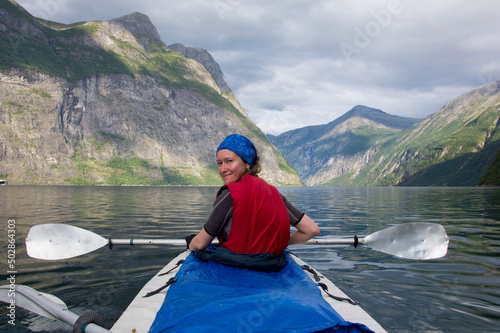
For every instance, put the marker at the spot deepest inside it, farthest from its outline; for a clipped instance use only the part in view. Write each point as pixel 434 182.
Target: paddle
pixel 45 305
pixel 409 241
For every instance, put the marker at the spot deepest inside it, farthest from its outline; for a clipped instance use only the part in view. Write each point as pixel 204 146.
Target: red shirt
pixel 261 223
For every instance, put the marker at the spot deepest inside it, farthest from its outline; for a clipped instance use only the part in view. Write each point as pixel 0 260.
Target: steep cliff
pixel 205 58
pixel 109 103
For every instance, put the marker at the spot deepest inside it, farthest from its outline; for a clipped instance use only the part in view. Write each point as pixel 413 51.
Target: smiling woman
pixel 231 166
pixel 250 218
pixel 236 155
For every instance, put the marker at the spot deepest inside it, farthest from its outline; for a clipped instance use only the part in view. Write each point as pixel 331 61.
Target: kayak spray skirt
pixel 210 297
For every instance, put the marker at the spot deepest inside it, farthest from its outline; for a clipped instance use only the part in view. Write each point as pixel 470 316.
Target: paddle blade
pixel 61 241
pixel 419 240
pixel 32 300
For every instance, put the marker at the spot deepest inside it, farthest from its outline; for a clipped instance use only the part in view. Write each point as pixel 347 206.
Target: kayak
pixel 189 295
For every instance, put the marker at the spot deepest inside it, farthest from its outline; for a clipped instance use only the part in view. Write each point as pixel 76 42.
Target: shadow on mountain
pixel 465 170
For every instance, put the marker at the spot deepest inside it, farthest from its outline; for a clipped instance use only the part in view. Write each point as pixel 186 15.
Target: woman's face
pixel 231 166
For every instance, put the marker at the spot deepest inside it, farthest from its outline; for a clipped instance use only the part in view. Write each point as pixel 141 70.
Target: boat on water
pixel 214 296
pixel 189 295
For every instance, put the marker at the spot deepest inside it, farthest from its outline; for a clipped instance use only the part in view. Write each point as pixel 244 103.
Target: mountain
pixel 324 153
pixel 454 146
pixel 108 102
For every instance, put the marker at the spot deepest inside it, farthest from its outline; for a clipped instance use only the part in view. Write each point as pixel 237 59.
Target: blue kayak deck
pixel 209 296
pixel 216 297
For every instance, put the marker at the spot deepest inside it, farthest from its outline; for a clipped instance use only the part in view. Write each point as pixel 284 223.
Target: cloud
pixel 294 63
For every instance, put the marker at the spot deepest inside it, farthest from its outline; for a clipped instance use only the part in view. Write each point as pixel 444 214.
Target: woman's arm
pixel 215 223
pixel 201 241
pixel 306 229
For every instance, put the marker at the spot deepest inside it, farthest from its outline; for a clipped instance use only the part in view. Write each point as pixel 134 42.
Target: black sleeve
pixel 222 212
pixel 294 213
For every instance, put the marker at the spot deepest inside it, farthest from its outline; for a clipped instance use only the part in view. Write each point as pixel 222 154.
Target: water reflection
pixel 448 294
pixel 458 293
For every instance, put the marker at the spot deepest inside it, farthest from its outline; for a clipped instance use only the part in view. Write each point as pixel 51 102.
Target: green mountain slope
pixel 454 146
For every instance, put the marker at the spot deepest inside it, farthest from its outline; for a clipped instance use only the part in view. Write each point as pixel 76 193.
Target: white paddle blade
pixel 32 300
pixel 43 304
pixel 61 241
pixel 418 240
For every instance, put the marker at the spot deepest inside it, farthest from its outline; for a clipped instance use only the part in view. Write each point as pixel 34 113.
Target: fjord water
pixel 458 293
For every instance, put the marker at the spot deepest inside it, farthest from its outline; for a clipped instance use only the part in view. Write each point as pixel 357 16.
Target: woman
pixel 250 218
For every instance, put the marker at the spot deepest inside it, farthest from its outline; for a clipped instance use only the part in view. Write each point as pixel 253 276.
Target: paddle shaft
pixel 182 242
pixel 335 241
pixel 44 305
pixel 172 242
pixel 70 318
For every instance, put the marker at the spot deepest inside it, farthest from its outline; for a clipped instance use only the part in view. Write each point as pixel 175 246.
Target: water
pixel 458 293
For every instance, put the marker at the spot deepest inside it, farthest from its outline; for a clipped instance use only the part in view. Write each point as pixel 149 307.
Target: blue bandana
pixel 241 146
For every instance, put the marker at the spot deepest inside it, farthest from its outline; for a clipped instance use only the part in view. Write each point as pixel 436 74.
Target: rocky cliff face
pixel 140 26
pixel 203 57
pixel 109 103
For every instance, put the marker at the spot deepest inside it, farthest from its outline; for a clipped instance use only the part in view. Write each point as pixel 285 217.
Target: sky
pixel 296 63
